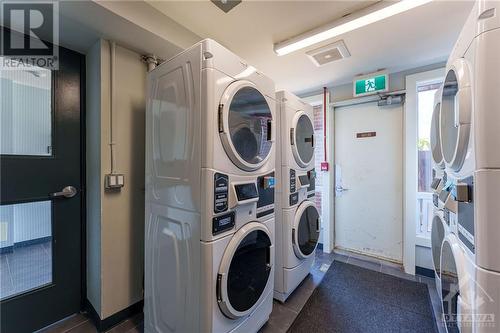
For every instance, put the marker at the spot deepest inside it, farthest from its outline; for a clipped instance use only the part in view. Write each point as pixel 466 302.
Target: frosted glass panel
pixel 25 112
pixel 25 247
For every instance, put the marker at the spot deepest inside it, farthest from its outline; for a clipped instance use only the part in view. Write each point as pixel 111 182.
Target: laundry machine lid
pixel 439 230
pixel 245 270
pixel 245 125
pixel 456 114
pixel 302 138
pixel 306 229
pixel 437 153
pixel 456 285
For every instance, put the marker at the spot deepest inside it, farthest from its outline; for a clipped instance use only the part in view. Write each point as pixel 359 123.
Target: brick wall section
pixel 318 152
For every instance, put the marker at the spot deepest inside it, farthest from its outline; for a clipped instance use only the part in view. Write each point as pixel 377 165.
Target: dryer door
pixel 438 232
pixel 305 231
pixel 456 294
pixel 245 270
pixel 437 154
pixel 456 114
pixel 302 139
pixel 245 125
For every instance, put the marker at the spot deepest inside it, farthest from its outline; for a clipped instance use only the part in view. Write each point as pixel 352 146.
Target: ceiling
pixel 422 36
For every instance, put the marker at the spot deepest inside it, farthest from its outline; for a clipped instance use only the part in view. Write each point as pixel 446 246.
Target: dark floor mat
pixel 355 299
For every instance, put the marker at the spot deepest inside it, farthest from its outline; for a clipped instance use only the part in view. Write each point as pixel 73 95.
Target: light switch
pixel 114 181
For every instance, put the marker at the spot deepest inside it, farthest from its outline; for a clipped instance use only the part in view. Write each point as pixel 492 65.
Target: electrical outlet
pixel 114 181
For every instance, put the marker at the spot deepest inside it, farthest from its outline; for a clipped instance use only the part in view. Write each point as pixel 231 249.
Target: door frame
pixel 327 196
pixel 410 166
pixel 331 122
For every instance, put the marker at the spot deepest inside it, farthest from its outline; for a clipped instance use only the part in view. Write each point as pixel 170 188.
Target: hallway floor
pixel 283 315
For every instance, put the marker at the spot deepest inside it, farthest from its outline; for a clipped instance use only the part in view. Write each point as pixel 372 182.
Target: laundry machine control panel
pixel 293 181
pixel 265 188
pixel 463 193
pixel 221 190
pixel 312 183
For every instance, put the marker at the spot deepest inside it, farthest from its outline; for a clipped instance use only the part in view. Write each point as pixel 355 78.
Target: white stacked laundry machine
pixel 470 141
pixel 210 159
pixel 297 219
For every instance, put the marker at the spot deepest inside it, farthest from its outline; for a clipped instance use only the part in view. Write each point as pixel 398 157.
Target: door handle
pixel 341 189
pixel 67 192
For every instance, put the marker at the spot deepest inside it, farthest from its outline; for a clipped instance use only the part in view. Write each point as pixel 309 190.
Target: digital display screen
pixel 304 180
pixel 225 221
pixel 246 191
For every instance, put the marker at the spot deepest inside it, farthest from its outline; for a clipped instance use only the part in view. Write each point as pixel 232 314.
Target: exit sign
pixel 371 84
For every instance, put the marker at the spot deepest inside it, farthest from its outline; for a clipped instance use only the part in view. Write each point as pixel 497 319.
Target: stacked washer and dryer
pixel 297 219
pixel 470 140
pixel 210 160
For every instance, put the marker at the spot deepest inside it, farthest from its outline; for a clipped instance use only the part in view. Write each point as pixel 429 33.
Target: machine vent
pixel 329 53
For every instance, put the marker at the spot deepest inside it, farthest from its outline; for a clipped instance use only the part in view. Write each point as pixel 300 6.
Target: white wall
pixel 115 219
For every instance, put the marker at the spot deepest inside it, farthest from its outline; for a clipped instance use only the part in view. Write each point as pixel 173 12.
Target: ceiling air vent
pixel 329 53
pixel 226 5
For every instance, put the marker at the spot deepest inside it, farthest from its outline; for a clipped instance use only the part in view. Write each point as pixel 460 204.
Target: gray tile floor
pixel 283 314
pixel 25 268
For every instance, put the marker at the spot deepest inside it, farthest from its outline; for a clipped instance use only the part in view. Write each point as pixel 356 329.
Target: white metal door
pixel 368 184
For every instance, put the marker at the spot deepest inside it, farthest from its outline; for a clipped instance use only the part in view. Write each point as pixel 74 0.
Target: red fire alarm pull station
pixel 324 164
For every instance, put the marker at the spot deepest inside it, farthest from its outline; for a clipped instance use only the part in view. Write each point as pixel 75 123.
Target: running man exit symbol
pixel 370 85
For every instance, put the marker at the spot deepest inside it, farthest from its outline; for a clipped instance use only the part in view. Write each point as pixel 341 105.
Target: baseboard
pixel 105 324
pixel 424 272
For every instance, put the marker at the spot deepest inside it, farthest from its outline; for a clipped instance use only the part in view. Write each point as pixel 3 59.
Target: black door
pixel 40 229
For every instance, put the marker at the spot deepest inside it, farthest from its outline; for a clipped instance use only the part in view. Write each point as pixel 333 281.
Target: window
pixel 26 112
pixel 25 247
pixel 425 107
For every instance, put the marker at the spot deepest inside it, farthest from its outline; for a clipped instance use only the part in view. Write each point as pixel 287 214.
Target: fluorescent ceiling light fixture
pixel 325 33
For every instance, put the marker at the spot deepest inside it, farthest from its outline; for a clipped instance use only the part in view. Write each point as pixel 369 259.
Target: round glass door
pixel 306 228
pixel 455 117
pixel 450 288
pixel 245 270
pixel 246 125
pixel 303 139
pixel 437 236
pixel 437 154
